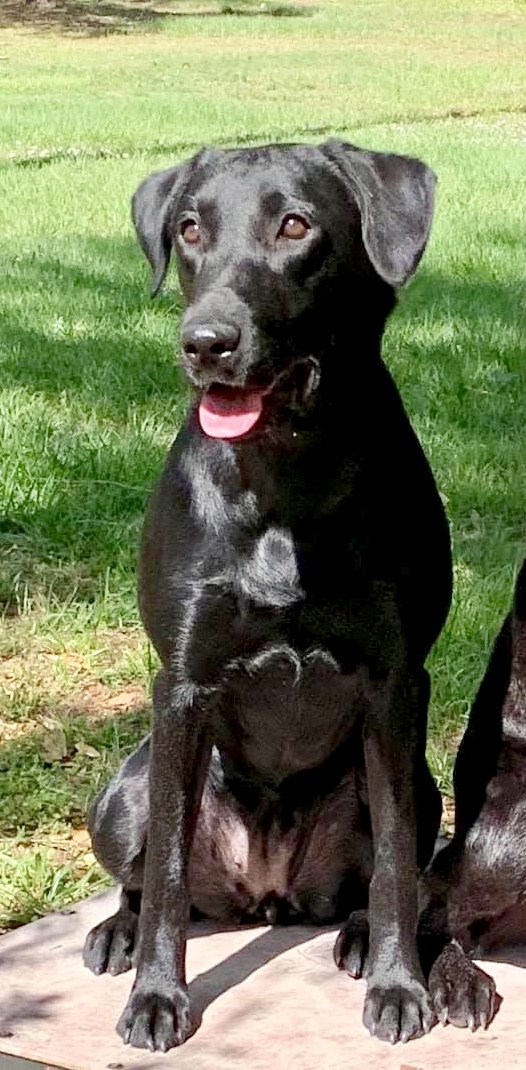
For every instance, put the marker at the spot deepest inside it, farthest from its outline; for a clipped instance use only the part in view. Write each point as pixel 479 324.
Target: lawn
pixel 93 96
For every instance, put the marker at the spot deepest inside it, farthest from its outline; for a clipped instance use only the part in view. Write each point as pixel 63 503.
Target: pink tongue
pixel 229 414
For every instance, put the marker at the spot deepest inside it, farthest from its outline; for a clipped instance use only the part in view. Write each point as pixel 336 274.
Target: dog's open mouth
pixel 230 412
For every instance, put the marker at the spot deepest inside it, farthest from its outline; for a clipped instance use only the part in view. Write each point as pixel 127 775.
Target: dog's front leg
pixel 397 1004
pixel 157 1015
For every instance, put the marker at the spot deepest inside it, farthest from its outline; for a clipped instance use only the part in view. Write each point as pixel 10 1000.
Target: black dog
pixel 478 882
pixel 295 572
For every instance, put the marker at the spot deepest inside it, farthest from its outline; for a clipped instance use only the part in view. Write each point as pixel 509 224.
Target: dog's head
pixel 284 252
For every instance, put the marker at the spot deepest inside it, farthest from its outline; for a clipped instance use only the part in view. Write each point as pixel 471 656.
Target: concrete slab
pixel 268 999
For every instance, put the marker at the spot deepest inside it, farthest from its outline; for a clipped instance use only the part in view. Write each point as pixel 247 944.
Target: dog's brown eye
pixel 190 232
pixel 294 227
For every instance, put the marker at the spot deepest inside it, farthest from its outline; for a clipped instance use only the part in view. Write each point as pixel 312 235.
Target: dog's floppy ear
pixel 150 204
pixel 395 197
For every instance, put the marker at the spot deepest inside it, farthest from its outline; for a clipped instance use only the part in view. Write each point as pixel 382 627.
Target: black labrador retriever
pixel 295 572
pixel 477 884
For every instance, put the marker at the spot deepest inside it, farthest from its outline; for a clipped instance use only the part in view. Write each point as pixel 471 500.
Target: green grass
pixel 217 77
pixel 90 396
pixel 46 781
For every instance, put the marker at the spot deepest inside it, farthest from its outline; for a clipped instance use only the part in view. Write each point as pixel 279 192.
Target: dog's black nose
pixel 209 342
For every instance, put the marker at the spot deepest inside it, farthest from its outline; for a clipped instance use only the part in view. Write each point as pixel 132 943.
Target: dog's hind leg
pixel 477 883
pixel 336 868
pixel 118 822
pixel 109 946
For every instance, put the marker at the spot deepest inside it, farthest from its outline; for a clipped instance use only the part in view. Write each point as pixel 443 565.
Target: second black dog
pixel 477 884
pixel 295 572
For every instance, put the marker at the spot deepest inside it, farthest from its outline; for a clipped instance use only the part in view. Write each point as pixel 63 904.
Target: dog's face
pixel 282 252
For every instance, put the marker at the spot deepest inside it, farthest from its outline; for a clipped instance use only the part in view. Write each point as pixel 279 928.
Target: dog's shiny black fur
pixel 292 581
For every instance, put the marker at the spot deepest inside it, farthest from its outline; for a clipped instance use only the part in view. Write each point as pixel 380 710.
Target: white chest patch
pixel 269 576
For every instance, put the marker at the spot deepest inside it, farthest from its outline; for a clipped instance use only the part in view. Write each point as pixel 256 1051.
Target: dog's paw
pixel 351 949
pixel 462 994
pixel 109 946
pixel 398 1011
pixel 154 1021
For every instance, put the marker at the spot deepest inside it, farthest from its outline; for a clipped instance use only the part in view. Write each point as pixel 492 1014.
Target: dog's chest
pixel 267 575
pixel 262 640
pixel 283 711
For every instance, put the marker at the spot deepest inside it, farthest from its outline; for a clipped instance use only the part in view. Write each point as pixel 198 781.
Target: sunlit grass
pixel 222 78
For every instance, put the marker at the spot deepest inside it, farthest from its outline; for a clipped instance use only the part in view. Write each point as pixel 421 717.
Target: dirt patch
pixel 95 699
pixel 39 684
pixel 66 845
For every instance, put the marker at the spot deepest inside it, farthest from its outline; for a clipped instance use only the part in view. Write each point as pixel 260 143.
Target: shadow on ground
pixel 237 967
pixel 103 17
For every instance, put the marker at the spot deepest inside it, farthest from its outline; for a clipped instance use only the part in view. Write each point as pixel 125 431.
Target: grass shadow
pixel 106 402
pixel 99 18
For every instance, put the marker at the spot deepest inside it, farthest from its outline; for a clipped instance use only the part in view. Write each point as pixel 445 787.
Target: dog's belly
pixel 270 857
pixel 282 712
pixel 236 864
